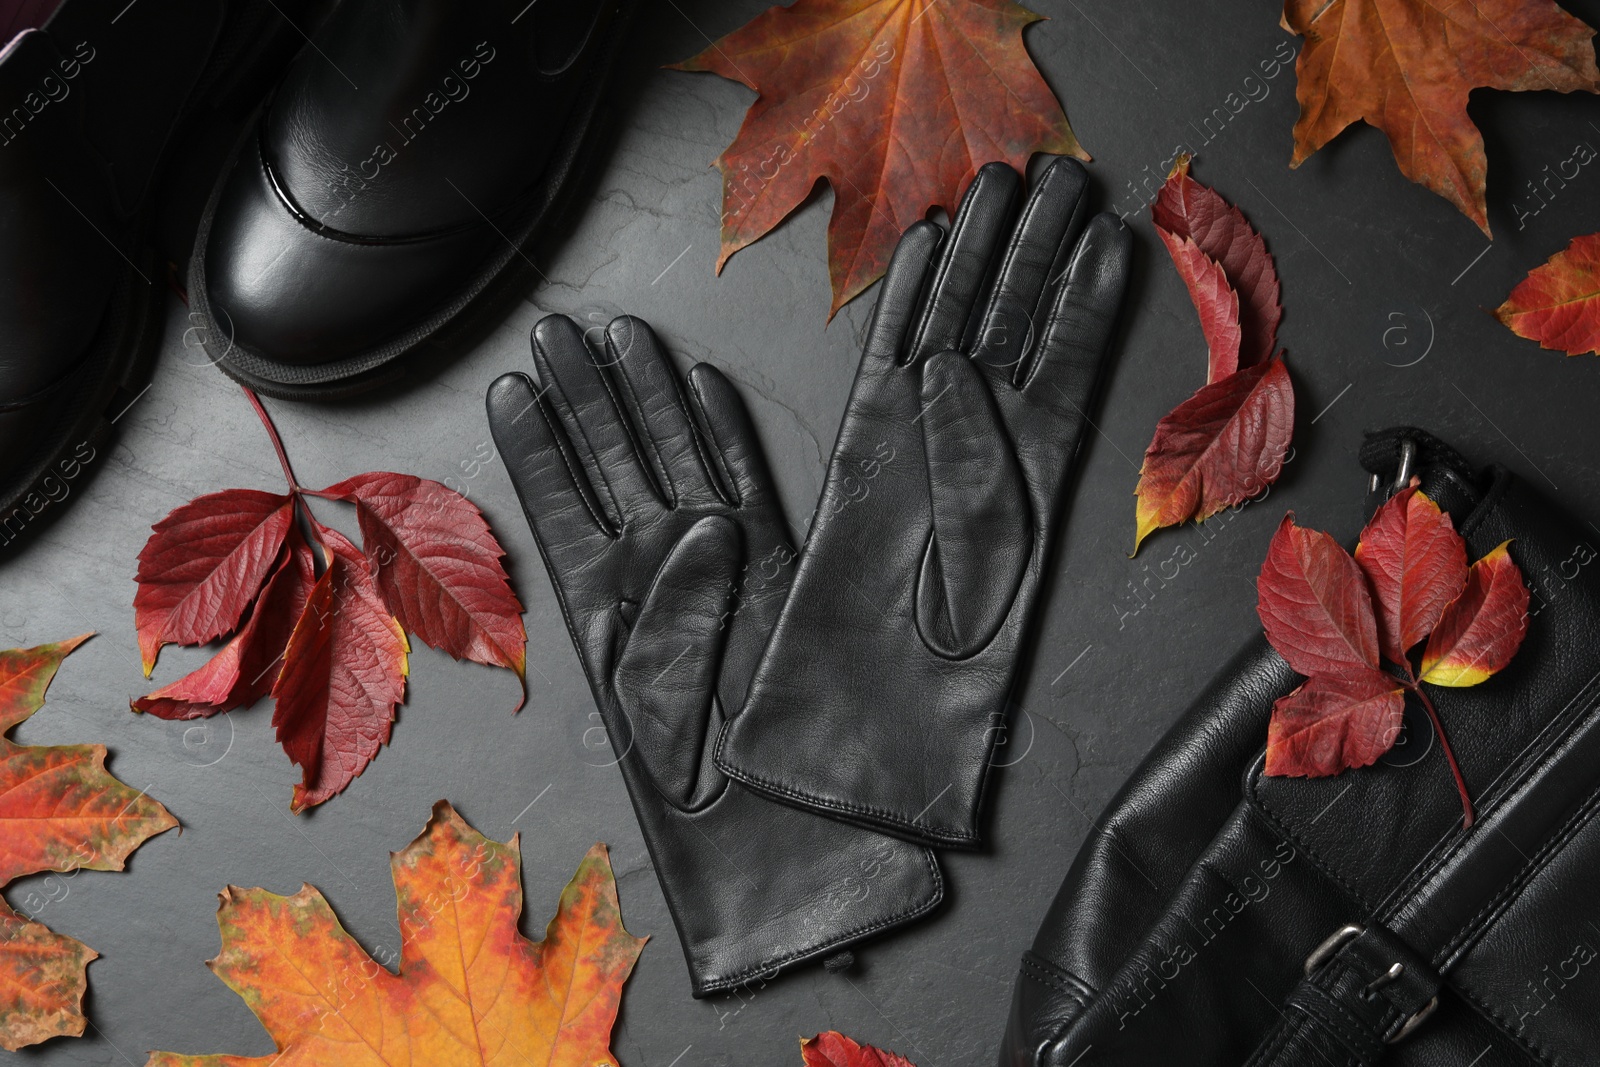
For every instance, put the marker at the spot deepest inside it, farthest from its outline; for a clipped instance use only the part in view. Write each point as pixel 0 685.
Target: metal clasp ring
pixel 1403 471
pixel 1408 460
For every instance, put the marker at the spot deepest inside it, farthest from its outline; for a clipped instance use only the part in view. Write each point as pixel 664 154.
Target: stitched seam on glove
pixel 891 819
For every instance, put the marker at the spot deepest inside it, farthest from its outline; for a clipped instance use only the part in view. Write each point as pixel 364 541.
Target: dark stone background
pixel 1387 291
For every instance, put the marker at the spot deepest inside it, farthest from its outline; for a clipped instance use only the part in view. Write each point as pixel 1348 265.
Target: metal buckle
pixel 1415 1021
pixel 1333 943
pixel 1350 931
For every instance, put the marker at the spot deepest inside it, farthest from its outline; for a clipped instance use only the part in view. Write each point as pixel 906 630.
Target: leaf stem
pixel 1415 687
pixel 272 433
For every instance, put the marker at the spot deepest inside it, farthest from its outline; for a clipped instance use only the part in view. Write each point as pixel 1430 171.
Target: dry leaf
pixel 1407 67
pixel 833 1049
pixel 344 671
pixel 1317 606
pixel 1216 449
pixel 471 988
pixel 1185 209
pixel 1558 303
pixel 439 566
pixel 896 103
pixel 324 631
pixel 1482 628
pixel 62 812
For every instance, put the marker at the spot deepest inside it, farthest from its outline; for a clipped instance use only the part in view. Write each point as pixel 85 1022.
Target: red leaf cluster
pixel 1228 441
pixel 1337 619
pixel 315 621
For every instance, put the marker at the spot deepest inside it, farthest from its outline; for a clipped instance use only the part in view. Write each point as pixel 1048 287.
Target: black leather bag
pixel 1218 916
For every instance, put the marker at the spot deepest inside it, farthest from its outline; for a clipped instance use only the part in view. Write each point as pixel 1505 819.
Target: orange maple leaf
pixel 1407 66
pixel 471 988
pixel 62 812
pixel 897 103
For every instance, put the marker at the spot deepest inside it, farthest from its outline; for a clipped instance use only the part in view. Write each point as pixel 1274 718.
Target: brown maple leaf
pixel 897 103
pixel 1407 67
pixel 471 988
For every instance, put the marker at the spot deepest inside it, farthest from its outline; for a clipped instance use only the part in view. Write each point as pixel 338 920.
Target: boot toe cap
pixel 294 294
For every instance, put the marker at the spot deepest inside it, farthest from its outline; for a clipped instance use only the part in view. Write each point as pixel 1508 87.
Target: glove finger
pixel 982 534
pixel 736 448
pixel 649 386
pixel 901 292
pixel 557 498
pixel 666 677
pixel 1039 248
pixel 975 238
pixel 577 390
pixel 1077 335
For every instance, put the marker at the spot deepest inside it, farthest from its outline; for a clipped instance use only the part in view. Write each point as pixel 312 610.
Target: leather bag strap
pixel 1363 989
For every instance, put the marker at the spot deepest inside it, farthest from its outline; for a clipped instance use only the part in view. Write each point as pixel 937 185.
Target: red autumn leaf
pixel 243 671
pixel 344 670
pixel 439 567
pixel 1222 445
pixel 1408 66
pixel 1214 299
pixel 897 103
pixel 203 565
pixel 1184 208
pixel 1416 564
pixel 1315 607
pixel 1334 722
pixel 1314 604
pixel 330 650
pixel 1482 628
pixel 832 1049
pixel 1558 303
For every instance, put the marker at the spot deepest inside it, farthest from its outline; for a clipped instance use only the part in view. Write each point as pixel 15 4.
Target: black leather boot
pixel 387 198
pixel 90 108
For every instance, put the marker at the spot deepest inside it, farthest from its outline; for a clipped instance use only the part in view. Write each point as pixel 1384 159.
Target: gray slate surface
pixel 1386 289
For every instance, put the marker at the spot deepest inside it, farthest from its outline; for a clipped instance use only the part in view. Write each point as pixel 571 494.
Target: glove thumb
pixel 982 530
pixel 666 677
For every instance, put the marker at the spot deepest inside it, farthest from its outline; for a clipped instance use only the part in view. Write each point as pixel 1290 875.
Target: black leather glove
pixel 880 694
pixel 670 557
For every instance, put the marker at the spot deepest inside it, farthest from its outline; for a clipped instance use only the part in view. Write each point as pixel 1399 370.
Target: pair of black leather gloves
pixel 796 729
